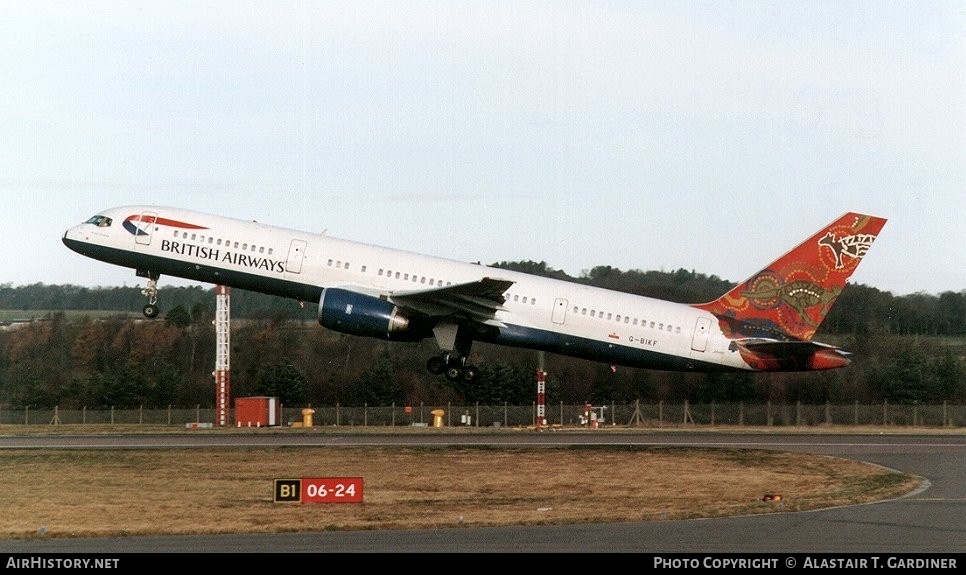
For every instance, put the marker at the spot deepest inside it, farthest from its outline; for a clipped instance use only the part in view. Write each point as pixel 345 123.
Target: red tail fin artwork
pixel 790 298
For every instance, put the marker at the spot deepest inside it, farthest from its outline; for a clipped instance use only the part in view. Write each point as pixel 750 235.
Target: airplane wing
pixel 477 301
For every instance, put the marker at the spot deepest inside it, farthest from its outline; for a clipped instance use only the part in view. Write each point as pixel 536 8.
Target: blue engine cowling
pixel 358 314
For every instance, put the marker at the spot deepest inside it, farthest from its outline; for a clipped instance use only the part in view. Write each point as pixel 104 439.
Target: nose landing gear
pixel 151 310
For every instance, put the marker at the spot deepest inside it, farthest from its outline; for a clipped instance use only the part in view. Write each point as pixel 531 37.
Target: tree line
pixel 907 349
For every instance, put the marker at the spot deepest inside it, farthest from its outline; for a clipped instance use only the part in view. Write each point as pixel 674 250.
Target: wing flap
pixel 479 300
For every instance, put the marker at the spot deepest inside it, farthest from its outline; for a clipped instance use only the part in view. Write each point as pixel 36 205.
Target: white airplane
pixel 764 324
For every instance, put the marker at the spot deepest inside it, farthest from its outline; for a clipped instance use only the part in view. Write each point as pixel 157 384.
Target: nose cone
pixel 76 238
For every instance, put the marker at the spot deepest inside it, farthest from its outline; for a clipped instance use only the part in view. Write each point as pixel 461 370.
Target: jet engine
pixel 354 313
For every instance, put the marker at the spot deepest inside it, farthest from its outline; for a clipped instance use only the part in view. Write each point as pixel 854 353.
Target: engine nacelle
pixel 358 314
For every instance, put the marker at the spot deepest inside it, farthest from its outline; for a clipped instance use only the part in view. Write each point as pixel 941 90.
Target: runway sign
pixel 319 490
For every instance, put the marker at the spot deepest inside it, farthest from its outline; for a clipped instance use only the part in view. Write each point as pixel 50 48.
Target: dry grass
pixel 67 493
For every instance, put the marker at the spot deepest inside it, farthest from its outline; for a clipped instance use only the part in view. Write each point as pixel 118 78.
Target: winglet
pixel 790 298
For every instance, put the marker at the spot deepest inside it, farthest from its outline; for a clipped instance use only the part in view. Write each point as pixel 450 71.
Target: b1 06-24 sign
pixel 320 490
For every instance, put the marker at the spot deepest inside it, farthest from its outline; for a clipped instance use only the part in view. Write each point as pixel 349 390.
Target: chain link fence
pixel 637 414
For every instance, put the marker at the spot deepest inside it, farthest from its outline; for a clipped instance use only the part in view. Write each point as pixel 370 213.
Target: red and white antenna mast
pixel 541 399
pixel 222 371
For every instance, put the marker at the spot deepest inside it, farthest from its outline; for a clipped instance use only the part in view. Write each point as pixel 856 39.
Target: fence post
pixel 712 414
pixel 885 409
pixel 337 415
pixel 392 417
pixel 365 414
pixel 855 413
pixel 477 413
pixel 112 415
pixel 828 413
pixel 768 418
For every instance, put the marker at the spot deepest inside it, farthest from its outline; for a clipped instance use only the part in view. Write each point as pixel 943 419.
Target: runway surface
pixel 933 519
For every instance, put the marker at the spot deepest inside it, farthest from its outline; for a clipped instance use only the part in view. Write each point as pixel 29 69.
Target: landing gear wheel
pixel 454 372
pixel 471 373
pixel 436 365
pixel 151 292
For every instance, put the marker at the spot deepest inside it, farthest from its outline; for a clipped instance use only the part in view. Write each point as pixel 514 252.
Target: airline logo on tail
pixel 790 298
pixel 854 246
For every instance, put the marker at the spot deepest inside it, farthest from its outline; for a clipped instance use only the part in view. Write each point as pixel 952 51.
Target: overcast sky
pixel 710 136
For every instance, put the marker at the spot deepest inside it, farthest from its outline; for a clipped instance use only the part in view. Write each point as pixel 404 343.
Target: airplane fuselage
pixel 538 313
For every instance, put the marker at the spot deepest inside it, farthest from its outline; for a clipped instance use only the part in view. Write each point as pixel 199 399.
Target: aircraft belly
pixel 615 353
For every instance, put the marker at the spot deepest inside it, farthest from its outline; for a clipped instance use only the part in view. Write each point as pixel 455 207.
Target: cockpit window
pixel 100 221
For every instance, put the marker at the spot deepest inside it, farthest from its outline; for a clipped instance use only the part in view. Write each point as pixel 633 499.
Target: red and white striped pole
pixel 541 398
pixel 222 371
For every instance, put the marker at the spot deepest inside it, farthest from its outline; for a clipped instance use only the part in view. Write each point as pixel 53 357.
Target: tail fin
pixel 790 298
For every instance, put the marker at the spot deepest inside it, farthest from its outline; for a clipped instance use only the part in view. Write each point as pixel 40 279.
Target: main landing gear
pixel 455 343
pixel 454 368
pixel 151 310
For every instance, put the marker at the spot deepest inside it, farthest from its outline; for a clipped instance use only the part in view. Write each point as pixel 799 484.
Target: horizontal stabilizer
pixel 774 355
